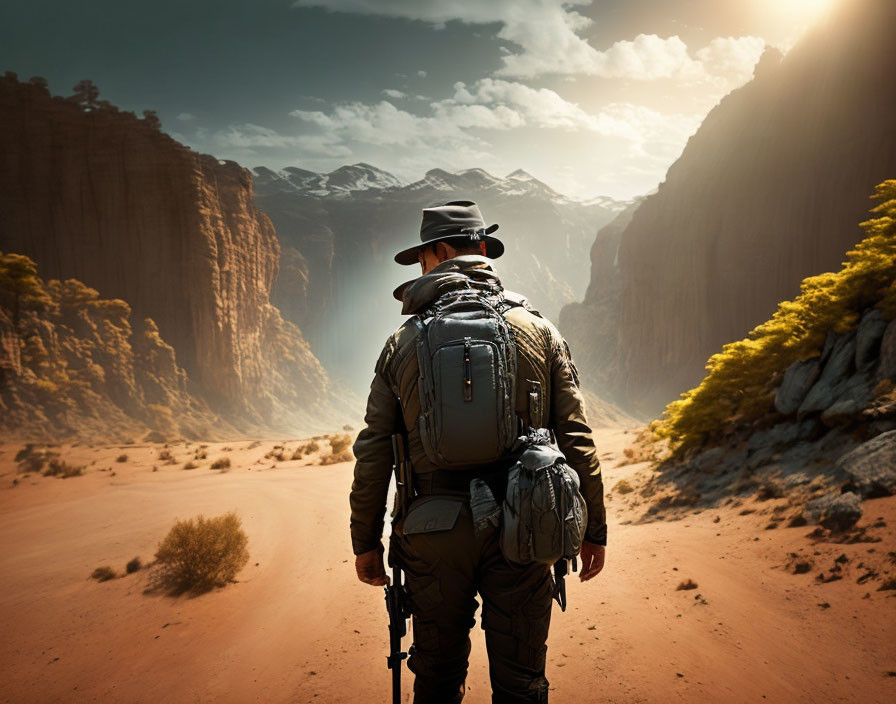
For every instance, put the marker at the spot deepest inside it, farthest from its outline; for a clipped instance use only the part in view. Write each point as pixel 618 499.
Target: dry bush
pixel 121 458
pixel 201 454
pixel 222 463
pixel 33 461
pixel 165 455
pixel 64 470
pixel 133 565
pixel 103 574
pixel 200 553
pixel 623 487
pixel 310 447
pixel 190 465
pixel 685 585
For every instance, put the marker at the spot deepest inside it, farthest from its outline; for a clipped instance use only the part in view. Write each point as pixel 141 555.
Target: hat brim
pixel 494 247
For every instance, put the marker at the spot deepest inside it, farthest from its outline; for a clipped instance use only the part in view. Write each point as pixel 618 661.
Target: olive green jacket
pixel 548 396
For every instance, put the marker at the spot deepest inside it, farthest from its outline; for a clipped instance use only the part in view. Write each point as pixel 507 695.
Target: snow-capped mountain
pixel 338 232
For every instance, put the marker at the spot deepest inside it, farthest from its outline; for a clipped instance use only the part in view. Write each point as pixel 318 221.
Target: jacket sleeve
pixel 570 425
pixel 373 465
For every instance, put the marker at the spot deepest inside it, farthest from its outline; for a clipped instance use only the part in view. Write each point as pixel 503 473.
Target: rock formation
pixel 767 192
pixel 95 194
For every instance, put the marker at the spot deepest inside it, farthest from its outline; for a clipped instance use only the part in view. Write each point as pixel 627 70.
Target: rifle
pixel 396 593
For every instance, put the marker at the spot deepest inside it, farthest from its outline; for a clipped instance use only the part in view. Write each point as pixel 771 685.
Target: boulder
pixel 887 353
pixel 798 379
pixel 868 337
pixel 841 413
pixel 872 466
pixel 834 376
pixel 837 512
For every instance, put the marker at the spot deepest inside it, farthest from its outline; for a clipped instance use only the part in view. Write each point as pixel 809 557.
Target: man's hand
pixel 370 569
pixel 592 560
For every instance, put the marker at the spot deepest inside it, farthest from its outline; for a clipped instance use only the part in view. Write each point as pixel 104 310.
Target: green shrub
pixel 743 377
pixel 201 553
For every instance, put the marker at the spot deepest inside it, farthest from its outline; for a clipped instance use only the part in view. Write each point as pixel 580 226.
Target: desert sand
pixel 298 627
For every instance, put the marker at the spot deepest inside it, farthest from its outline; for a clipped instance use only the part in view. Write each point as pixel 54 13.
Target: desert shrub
pixel 103 574
pixel 222 463
pixel 310 447
pixel 60 468
pixel 200 454
pixel 165 455
pixel 133 565
pixel 200 553
pixel 623 487
pixel 686 585
pixel 742 378
pixel 190 465
pixel 121 458
pixel 340 442
pixel 33 461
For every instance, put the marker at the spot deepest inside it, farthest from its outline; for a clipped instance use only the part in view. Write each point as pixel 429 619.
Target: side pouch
pixel 431 515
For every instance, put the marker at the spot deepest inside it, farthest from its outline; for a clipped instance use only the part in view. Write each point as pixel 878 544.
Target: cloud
pixel 546 34
pixel 186 117
pixel 250 138
pixel 393 93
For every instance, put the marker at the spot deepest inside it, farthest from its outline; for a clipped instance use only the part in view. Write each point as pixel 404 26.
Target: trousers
pixel 446 568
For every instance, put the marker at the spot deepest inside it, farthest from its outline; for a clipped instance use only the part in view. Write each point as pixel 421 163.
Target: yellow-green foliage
pixel 203 552
pixel 742 377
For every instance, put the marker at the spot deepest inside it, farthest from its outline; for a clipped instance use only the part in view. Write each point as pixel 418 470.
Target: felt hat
pixel 456 222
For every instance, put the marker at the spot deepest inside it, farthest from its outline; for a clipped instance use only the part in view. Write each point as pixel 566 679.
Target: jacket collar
pixel 471 271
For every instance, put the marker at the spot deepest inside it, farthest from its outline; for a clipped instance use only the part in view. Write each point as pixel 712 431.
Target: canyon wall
pixel 96 194
pixel 767 192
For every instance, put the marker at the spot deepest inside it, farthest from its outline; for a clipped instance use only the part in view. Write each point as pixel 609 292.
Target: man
pixel 446 561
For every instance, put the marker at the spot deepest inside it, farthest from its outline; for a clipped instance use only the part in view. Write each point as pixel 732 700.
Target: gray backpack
pixel 467 383
pixel 544 516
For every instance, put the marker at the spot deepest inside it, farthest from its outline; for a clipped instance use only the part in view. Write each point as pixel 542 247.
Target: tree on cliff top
pixel 741 382
pixel 86 95
pixel 20 283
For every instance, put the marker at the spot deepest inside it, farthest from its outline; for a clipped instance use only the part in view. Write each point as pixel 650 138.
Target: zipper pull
pixel 468 372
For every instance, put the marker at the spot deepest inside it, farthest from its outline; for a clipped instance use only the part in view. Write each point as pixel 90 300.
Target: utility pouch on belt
pixel 544 514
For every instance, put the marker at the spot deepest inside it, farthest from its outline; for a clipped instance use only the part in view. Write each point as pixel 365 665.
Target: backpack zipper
pixel 468 372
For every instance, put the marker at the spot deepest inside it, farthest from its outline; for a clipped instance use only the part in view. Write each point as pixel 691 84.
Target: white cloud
pixel 249 138
pixel 546 34
pixel 393 93
pixel 186 117
pixel 421 74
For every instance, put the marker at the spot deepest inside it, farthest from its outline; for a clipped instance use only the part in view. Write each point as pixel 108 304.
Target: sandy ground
pixel 298 627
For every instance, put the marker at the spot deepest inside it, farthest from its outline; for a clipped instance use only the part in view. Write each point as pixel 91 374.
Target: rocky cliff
pixel 767 192
pixel 96 194
pixel 805 406
pixel 339 231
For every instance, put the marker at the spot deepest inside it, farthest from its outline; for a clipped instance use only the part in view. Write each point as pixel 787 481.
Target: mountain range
pixel 338 232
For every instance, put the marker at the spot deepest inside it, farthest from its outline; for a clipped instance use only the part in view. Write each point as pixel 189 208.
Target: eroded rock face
pixel 767 192
pixel 106 198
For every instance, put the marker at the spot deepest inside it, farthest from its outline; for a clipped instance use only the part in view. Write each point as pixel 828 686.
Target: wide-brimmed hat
pixel 459 220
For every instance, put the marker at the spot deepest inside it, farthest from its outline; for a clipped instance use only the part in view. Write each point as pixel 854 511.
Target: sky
pixel 593 97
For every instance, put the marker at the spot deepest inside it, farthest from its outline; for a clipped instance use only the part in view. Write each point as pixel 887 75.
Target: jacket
pixel 548 395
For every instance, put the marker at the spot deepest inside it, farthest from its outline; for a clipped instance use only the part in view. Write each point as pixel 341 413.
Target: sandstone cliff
pixel 93 193
pixel 767 192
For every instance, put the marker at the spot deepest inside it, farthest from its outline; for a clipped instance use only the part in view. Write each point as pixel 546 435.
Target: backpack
pixel 544 516
pixel 467 383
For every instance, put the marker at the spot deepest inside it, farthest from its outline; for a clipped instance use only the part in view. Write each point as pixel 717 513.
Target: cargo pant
pixel 446 564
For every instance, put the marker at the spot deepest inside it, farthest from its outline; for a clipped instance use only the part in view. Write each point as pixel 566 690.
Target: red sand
pixel 298 627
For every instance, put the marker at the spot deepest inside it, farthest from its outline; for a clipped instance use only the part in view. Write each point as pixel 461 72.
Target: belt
pixel 446 481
